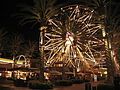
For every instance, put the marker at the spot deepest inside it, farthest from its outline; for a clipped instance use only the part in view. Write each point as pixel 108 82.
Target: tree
pixel 110 22
pixel 15 42
pixel 38 16
pixel 113 23
pixel 29 49
pixel 2 39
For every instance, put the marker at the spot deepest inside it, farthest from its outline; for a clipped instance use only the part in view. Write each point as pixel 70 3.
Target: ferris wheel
pixel 74 38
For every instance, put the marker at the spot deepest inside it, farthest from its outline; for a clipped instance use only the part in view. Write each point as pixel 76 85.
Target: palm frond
pixel 2 34
pixel 41 11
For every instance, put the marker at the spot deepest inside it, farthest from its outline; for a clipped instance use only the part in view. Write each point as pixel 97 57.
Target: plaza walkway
pixel 79 86
pixel 73 87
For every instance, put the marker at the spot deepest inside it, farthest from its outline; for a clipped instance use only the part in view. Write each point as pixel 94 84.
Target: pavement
pixel 73 87
pixel 12 87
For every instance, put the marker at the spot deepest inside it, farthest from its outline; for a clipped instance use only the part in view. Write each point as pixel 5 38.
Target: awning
pixel 24 69
pixel 55 73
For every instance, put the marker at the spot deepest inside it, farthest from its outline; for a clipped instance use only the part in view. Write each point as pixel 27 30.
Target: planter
pixel 63 83
pixel 39 85
pixel 20 83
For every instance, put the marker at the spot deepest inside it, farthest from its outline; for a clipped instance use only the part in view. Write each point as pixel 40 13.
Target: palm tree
pixel 110 23
pixel 38 15
pixel 113 23
pixel 2 39
pixel 111 27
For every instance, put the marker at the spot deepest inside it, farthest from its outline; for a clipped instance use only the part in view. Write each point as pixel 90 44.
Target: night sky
pixel 8 8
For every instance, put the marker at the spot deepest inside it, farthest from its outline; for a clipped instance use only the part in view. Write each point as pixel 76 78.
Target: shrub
pixel 63 83
pixel 105 87
pixel 39 85
pixel 76 81
pixel 2 78
pixel 6 81
pixel 86 80
pixel 20 83
pixel 5 88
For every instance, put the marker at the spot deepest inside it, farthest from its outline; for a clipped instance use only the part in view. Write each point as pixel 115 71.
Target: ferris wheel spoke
pixel 83 59
pixel 55 51
pixel 88 56
pixel 52 40
pixel 93 29
pixel 55 44
pixel 73 12
pixel 80 45
pixel 53 55
pixel 91 53
pixel 52 35
pixel 55 24
pixel 56 31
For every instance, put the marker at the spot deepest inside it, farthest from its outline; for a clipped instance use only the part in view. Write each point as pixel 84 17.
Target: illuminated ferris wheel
pixel 74 38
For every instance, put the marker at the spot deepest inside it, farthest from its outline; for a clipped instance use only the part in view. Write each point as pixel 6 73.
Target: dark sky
pixel 8 8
